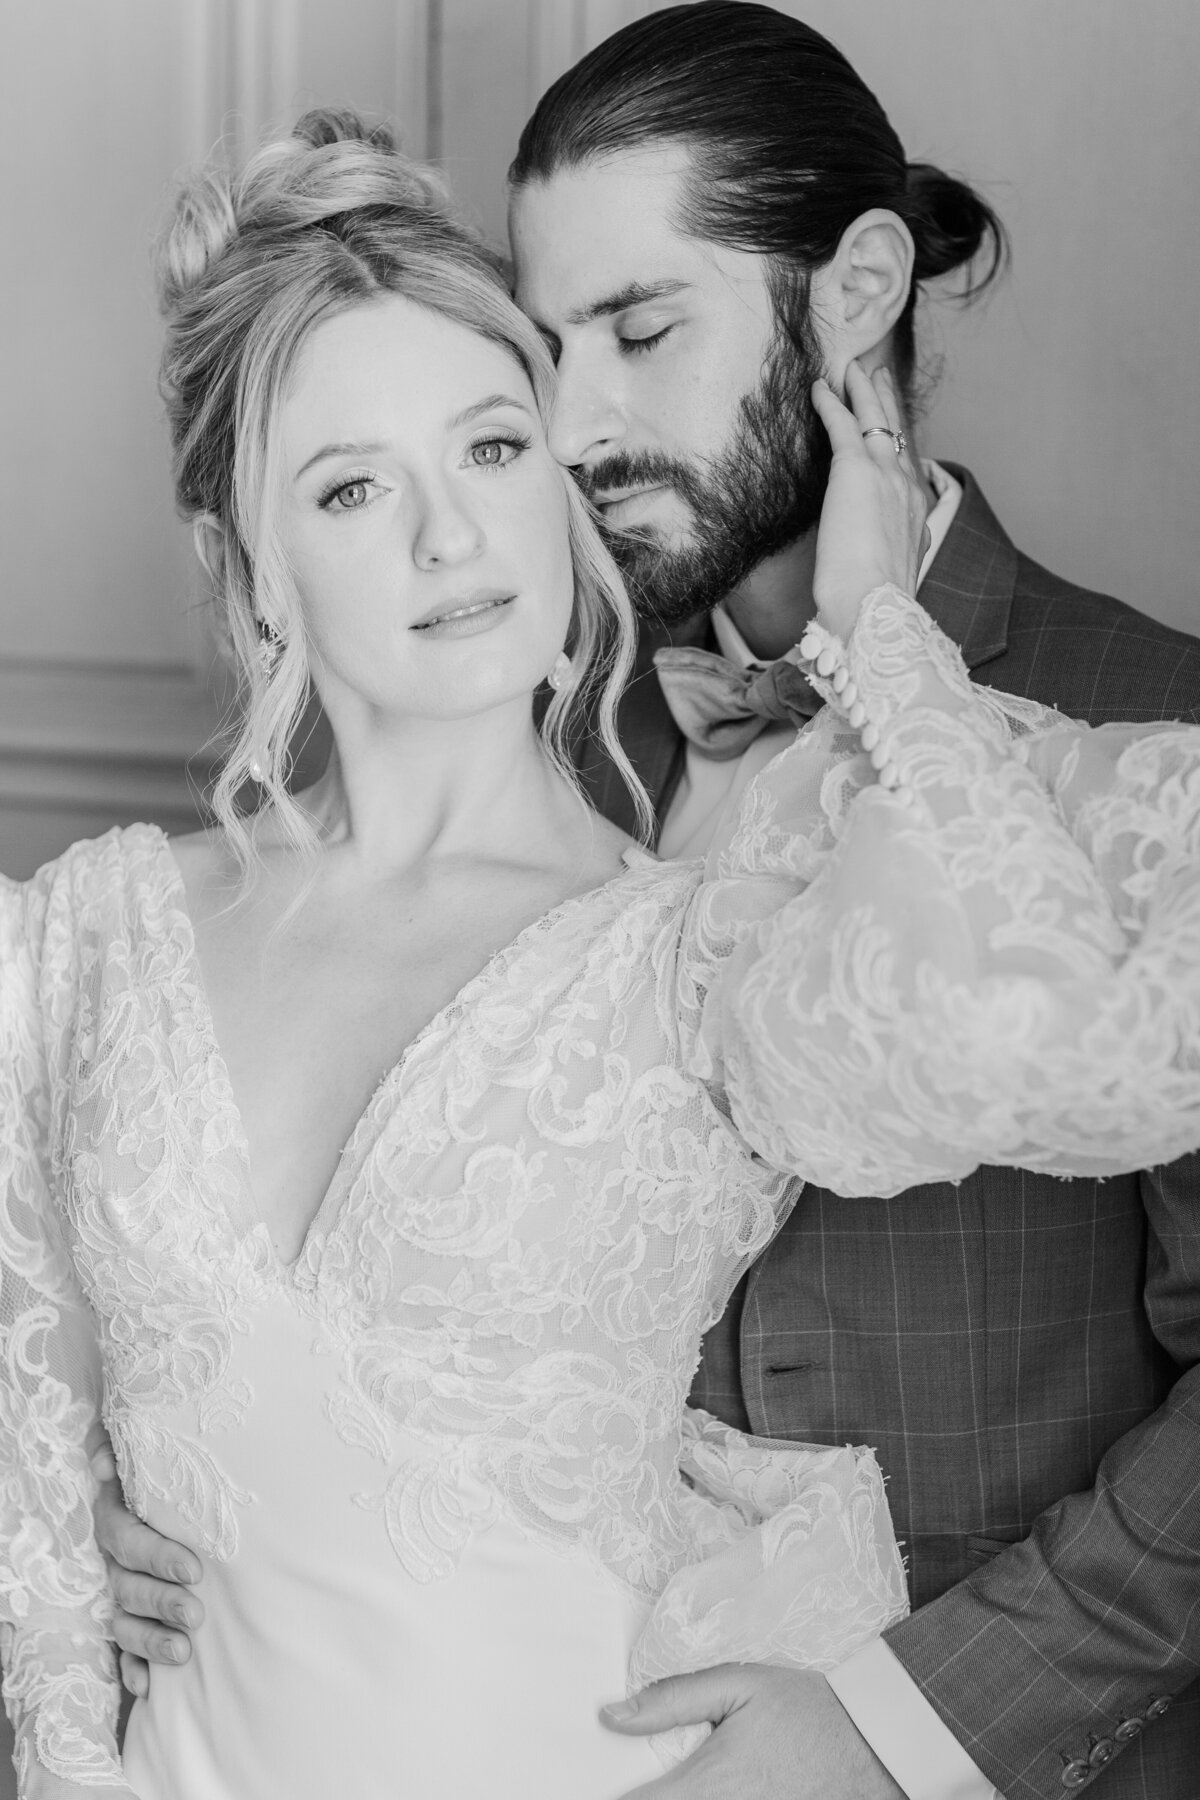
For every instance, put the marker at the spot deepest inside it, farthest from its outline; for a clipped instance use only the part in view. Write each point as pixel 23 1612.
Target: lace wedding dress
pixel 440 1470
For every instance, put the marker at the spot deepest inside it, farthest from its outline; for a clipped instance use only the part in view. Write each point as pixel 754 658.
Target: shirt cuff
pixel 910 1739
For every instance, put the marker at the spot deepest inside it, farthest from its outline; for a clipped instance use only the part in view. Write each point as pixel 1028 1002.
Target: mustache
pixel 623 470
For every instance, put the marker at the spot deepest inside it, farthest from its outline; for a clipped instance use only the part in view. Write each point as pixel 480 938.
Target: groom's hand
pixel 149 1577
pixel 780 1734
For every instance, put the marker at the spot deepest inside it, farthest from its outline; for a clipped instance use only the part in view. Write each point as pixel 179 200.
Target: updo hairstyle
pixel 327 219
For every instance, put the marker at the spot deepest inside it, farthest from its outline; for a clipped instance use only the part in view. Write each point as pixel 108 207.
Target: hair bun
pixel 333 163
pixel 339 125
pixel 202 225
pixel 953 228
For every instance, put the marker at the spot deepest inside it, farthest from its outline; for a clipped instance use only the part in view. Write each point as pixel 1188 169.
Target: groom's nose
pixel 587 421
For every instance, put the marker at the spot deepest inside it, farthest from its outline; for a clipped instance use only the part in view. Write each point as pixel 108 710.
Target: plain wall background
pixel 1073 394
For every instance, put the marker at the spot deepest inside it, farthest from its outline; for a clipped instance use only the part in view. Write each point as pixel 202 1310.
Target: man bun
pixel 953 228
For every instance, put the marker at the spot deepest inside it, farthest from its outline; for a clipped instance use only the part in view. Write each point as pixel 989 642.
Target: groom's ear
pixel 861 292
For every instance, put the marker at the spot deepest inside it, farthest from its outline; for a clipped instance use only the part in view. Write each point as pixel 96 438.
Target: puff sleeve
pixel 60 1685
pixel 997 962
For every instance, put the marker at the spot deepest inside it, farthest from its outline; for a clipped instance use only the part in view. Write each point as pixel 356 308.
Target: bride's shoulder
pixel 620 860
pixel 90 896
pixel 199 856
pixel 92 864
pixel 611 848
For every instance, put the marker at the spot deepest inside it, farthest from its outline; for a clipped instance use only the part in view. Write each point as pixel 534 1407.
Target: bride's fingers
pixel 879 419
pixel 885 391
pixel 884 388
pixel 865 400
pixel 889 400
pixel 841 424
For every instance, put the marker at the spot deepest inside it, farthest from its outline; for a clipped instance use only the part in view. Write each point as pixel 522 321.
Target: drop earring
pixel 561 672
pixel 267 654
pixel 270 644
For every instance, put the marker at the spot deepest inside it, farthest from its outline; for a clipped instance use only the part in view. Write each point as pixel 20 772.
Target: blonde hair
pixel 327 219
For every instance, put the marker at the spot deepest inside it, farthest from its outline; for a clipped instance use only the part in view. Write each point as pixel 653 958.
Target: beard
pixel 752 500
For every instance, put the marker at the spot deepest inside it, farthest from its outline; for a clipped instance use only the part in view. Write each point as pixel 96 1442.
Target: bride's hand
pixel 872 528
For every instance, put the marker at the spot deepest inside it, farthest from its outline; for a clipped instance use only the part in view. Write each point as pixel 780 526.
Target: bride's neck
pixel 395 794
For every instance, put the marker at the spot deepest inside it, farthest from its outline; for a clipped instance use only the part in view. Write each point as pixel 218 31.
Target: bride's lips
pixel 465 614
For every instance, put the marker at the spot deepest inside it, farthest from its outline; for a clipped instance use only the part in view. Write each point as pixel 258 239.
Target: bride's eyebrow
pixel 374 449
pixel 488 404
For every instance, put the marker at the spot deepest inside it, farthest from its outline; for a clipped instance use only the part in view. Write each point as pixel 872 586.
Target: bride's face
pixel 422 516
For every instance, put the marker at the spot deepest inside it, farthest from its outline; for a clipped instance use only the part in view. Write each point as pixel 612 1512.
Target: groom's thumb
pixel 678 1700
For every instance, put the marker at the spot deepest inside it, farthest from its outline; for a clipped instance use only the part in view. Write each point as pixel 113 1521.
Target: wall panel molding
pixel 85 747
pixel 417 75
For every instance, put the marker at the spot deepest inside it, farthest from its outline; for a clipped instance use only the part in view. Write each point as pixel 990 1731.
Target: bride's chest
pixel 536 1159
pixel 310 1022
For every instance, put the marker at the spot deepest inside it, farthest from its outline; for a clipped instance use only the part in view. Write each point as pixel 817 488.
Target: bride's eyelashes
pixel 348 493
pixel 352 493
pixel 512 441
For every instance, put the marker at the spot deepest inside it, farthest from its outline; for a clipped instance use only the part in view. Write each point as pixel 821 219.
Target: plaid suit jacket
pixel 1024 1353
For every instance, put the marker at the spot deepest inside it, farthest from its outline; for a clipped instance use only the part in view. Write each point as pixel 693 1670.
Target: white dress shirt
pixel 882 1699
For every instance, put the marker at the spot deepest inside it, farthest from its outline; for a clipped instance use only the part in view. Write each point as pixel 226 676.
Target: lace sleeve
pixel 60 1685
pixel 1004 969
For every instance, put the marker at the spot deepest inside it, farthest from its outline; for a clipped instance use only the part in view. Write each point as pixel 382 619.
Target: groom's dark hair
pixel 788 144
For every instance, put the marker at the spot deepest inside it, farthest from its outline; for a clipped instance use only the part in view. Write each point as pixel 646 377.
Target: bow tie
pixel 721 708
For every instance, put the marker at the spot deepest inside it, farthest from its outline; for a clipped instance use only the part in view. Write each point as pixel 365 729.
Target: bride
pixel 372 1164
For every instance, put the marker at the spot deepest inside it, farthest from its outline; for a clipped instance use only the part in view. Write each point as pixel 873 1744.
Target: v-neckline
pixel 333 1201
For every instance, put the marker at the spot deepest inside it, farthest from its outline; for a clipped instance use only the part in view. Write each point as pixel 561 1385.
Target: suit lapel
pixel 969 587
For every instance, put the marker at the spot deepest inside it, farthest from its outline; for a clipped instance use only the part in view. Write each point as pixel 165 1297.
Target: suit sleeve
pixel 1052 1659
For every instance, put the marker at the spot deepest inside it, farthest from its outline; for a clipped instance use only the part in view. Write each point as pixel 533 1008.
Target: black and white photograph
pixel 600 900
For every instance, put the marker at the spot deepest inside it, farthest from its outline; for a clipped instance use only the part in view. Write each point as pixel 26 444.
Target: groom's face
pixel 679 411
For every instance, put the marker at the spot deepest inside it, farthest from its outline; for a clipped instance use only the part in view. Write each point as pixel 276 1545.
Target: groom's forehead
pixel 596 228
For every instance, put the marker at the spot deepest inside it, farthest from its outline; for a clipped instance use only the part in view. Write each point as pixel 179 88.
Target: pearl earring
pixel 562 671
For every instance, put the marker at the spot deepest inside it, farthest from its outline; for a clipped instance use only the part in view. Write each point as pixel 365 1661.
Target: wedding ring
pixel 898 438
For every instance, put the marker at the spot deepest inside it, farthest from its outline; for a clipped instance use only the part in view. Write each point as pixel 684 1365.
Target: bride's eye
pixel 347 496
pixel 496 452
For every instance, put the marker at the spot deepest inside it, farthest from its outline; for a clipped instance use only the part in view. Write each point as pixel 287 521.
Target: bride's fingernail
pixel 620 1710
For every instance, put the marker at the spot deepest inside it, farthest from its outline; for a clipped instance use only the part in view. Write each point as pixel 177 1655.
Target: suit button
pixel 1127 1730
pixel 1158 1707
pixel 1101 1752
pixel 1076 1775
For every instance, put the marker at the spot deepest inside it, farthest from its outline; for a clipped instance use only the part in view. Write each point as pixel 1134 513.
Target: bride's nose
pixel 446 529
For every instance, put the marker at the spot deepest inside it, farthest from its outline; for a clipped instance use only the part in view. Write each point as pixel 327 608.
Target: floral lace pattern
pixel 552 1194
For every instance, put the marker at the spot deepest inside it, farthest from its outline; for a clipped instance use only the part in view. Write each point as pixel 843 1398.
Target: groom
pixel 708 210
